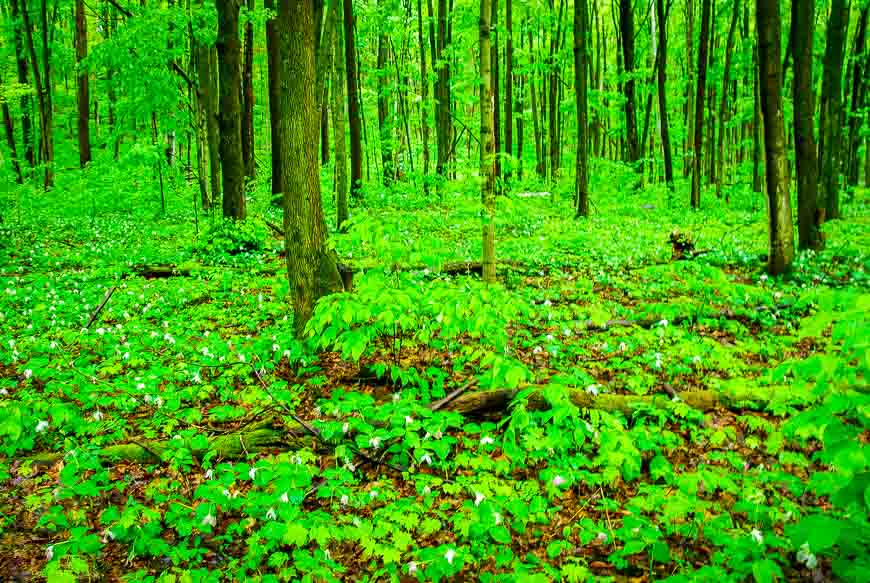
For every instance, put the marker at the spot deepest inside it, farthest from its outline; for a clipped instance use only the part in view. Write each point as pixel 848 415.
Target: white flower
pixel 284 498
pixel 623 347
pixel 345 427
pixel 592 390
pixel 696 359
pixel 449 555
pixel 558 481
pixel 537 350
pixel 41 426
pixel 438 435
pixel 126 356
pixel 141 387
pixel 344 500
pixel 566 332
pixel 252 472
pixel 101 331
pixel 763 277
pixel 550 338
pixel 486 440
pixel 49 552
pixel 241 357
pixel 497 517
pixel 169 338
pixel 408 419
pixel 4 392
pixel 375 442
pixel 28 373
pixel 227 493
pixel 98 415
pixel 209 520
pixel 548 303
pixel 412 568
pixel 602 538
pixel 271 514
pixel 209 474
pixel 373 494
pixel 427 459
pixel 806 557
pixel 397 397
pixel 196 378
pixel 158 401
pixel 427 490
pixel 663 323
pixel 478 498
pixel 757 536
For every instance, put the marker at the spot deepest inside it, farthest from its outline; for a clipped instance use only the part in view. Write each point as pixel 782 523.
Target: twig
pixel 101 306
pixel 446 400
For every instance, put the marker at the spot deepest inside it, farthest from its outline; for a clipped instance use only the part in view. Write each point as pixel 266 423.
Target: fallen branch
pixel 727 313
pixel 100 307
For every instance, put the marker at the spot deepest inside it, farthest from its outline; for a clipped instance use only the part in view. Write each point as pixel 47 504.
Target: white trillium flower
pixel 209 474
pixel 252 472
pixel 558 481
pixel 98 415
pixel 28 373
pixel 478 498
pixel 497 517
pixel 592 390
pixel 49 552
pixel 375 442
pixel 285 498
pixel 486 440
pixel 805 556
pixel 271 514
pixel 408 419
pixel 373 494
pixel 450 555
pixel 602 537
pixel 345 427
pixel 41 426
pixel 209 520
pixel 427 490
pixel 427 459
pixel 757 536
pixel 412 568
pixel 344 500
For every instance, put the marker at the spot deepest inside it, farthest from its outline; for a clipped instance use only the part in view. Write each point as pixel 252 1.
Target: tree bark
pixel 42 83
pixel 661 16
pixel 553 96
pixel 756 125
pixel 830 141
pixel 338 119
pixel 723 98
pixel 10 141
pixel 311 269
pixel 626 29
pixel 581 63
pixel 248 97
pixel 442 91
pixel 859 89
pixel 809 213
pixel 509 86
pixel 780 229
pixel 496 102
pixel 536 121
pixel 385 125
pixel 82 88
pixel 353 103
pixel 487 146
pixel 689 146
pixel 26 102
pixel 699 104
pixel 229 117
pixel 424 96
pixel 273 57
pixel 520 115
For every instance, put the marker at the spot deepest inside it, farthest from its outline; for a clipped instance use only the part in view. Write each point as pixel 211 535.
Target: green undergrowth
pixel 198 376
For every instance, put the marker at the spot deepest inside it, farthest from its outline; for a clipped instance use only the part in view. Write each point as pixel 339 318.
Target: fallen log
pixel 727 313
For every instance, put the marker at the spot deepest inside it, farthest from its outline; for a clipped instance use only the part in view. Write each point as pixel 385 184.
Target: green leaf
pixel 765 571
pixel 296 534
pixel 500 534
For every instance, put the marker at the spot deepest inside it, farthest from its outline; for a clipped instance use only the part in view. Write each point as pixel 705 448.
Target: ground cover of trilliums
pixel 185 435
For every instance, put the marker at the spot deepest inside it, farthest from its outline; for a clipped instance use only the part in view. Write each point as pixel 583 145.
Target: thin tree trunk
pixel 82 82
pixel 830 140
pixel 442 91
pixel 859 88
pixel 809 217
pixel 496 102
pixel 424 96
pixel 42 82
pixel 338 102
pixel 248 97
pixel 756 125
pixel 487 147
pixel 781 235
pixel 723 99
pixel 689 147
pixel 26 100
pixel 539 142
pixel 229 117
pixel 662 92
pixel 353 103
pixel 626 28
pixel 273 57
pixel 581 63
pixel 385 125
pixel 509 86
pixel 553 97
pixel 199 53
pixel 699 104
pixel 521 100
pixel 10 141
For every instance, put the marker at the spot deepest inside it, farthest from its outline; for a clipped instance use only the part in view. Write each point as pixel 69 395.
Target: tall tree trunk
pixel 689 146
pixel 487 147
pixel 82 82
pixel 311 270
pixel 536 122
pixel 212 102
pixel 626 29
pixel 10 141
pixel 756 125
pixel 385 125
pixel 830 141
pixel 509 85
pixel 338 101
pixel 553 96
pixel 859 89
pixel 229 117
pixel 496 103
pixel 273 57
pixel 723 98
pixel 42 82
pixel 809 217
pixel 699 104
pixel 521 100
pixel 248 97
pixel 26 101
pixel 781 231
pixel 581 63
pixel 424 96
pixel 662 92
pixel 353 103
pixel 442 91
pixel 198 55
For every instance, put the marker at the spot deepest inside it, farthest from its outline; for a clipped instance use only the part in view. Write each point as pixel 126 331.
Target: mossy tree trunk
pixel 229 51
pixel 487 146
pixel 830 140
pixel 581 64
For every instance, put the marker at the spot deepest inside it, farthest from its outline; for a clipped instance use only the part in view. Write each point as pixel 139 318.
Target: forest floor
pixel 609 411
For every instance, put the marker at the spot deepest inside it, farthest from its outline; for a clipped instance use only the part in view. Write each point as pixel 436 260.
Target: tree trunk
pixel 723 98
pixel 689 147
pixel 42 83
pixel 353 103
pixel 424 96
pixel 229 117
pixel 248 97
pixel 756 125
pixel 311 269
pixel 699 104
pixel 521 100
pixel 581 63
pixel 536 122
pixel 198 55
pixel 662 92
pixel 385 125
pixel 10 141
pixel 338 101
pixel 509 86
pixel 830 140
pixel 859 88
pixel 809 215
pixel 781 235
pixel 442 91
pixel 273 56
pixel 553 97
pixel 487 147
pixel 496 103
pixel 26 101
pixel 626 29
pixel 82 80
